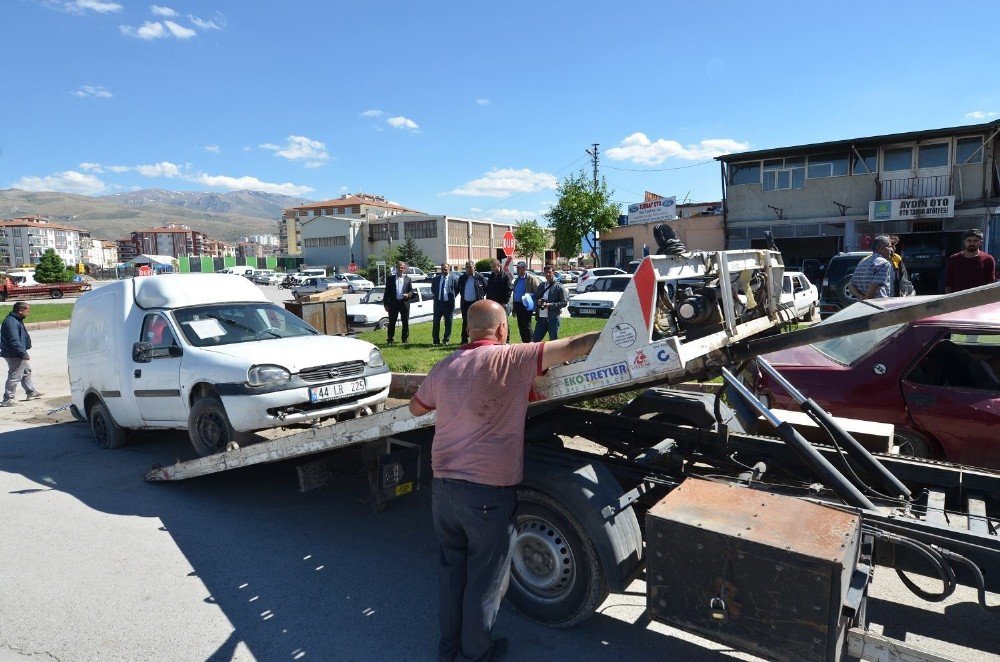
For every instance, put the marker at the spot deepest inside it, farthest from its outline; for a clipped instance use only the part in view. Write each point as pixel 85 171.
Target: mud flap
pixel 395 473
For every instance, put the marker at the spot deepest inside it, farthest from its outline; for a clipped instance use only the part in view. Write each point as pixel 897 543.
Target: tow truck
pixel 10 290
pixel 764 543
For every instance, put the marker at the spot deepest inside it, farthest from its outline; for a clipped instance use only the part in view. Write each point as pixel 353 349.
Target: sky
pixel 472 109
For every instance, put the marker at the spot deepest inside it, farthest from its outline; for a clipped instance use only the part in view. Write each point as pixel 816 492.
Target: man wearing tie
pixel 472 287
pixel 444 289
pixel 398 293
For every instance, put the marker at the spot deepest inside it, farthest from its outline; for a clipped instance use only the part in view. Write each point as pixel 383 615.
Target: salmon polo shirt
pixel 480 393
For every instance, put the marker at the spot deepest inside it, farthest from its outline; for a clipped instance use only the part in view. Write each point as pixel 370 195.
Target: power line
pixel 693 165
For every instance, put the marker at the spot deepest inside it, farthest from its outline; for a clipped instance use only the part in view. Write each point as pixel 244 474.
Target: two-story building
pixel 327 215
pixel 927 187
pixel 698 225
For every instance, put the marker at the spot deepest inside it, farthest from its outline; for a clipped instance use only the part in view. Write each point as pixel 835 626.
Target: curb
pixel 404 384
pixel 36 326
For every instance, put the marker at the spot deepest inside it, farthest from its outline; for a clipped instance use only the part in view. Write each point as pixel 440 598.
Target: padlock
pixel 717 607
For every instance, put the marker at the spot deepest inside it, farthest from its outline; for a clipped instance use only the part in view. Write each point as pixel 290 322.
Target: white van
pixel 313 272
pixel 210 354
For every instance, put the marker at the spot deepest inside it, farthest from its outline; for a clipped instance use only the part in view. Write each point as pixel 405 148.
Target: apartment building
pixel 24 239
pixel 927 187
pixel 357 206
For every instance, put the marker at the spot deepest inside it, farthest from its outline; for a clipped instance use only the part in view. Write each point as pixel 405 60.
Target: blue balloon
pixel 528 302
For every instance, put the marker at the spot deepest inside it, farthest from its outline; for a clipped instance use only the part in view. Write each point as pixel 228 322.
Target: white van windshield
pixel 231 323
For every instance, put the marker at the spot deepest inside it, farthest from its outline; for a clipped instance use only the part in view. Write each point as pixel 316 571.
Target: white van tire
pixel 107 433
pixel 209 427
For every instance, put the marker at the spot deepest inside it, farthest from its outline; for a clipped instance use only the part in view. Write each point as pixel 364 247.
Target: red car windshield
pixel 848 349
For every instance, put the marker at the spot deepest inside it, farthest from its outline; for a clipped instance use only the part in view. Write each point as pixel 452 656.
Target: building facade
pixel 927 187
pixel 698 226
pixel 24 239
pixel 174 240
pixel 356 206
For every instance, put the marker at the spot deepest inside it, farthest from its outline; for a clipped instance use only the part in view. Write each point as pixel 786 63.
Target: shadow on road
pixel 315 576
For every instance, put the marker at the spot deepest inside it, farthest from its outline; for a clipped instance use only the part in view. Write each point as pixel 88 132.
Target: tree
pixel 582 209
pixel 413 255
pixel 531 239
pixel 50 268
pixel 483 265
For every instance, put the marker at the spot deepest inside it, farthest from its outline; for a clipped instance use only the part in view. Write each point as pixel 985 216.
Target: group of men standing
pixel 883 274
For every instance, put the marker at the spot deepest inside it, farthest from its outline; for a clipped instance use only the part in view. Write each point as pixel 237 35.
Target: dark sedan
pixel 936 380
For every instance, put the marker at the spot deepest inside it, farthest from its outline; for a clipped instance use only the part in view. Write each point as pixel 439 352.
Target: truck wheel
pixel 209 427
pixel 556 576
pixel 107 433
pixel 55 294
pixel 844 296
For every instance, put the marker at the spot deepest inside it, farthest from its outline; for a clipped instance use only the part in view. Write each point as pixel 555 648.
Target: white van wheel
pixel 209 427
pixel 107 433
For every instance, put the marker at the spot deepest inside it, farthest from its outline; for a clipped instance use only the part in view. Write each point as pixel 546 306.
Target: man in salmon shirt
pixel 481 395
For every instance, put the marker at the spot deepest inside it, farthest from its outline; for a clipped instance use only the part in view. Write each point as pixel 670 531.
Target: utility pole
pixel 594 159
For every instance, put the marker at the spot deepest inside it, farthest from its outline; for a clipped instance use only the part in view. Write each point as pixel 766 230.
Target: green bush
pixel 484 264
pixel 51 268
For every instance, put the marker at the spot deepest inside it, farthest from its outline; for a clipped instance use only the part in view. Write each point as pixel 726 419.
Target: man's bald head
pixel 485 318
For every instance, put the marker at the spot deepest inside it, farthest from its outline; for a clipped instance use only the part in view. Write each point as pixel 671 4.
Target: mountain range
pixel 224 216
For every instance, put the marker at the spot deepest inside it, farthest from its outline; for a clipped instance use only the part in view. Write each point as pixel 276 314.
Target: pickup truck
pixel 8 290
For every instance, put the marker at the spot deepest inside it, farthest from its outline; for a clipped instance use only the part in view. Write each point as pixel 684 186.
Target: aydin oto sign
pixel 652 211
pixel 942 206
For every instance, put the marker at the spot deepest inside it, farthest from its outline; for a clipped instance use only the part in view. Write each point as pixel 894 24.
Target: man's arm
pixel 10 338
pixel 855 291
pixel 990 266
pixel 559 351
pixel 418 409
pixel 871 291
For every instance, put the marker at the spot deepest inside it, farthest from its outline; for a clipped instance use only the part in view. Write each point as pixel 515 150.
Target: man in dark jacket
pixel 472 288
pixel 444 289
pixel 14 345
pixel 550 299
pixel 498 285
pixel 396 301
pixel 524 284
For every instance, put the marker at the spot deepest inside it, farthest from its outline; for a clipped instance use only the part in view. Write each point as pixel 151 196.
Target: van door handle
pixel 137 374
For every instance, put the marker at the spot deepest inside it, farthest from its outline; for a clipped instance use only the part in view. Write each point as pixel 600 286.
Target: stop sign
pixel 144 270
pixel 508 243
pixel 352 267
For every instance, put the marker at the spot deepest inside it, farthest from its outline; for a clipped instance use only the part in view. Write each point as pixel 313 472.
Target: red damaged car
pixel 936 380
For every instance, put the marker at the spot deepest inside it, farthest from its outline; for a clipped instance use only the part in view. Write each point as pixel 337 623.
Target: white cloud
pixel 504 182
pixel 69 181
pixel 982 115
pixel 82 6
pixel 247 183
pixel 162 11
pixel 214 149
pixel 482 101
pixel 400 122
pixel 161 169
pixel 300 148
pixel 247 148
pixel 179 31
pixel 374 112
pixel 98 91
pixel 118 168
pixel 345 188
pixel 204 24
pixel 91 167
pixel 638 148
pixel 147 31
pixel 511 215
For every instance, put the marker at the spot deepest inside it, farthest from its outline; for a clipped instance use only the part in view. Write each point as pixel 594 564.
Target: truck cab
pixel 208 353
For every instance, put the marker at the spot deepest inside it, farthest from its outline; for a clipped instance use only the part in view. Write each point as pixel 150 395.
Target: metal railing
pixel 916 187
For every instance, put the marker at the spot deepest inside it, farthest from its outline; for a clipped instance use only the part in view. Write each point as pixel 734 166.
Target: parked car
pixel 632 266
pixel 417 275
pixel 267 277
pixel 588 277
pixel 208 353
pixel 800 294
pixel 567 277
pixel 353 283
pixel 370 313
pixel 936 380
pixel 834 294
pixel 314 285
pixel 601 298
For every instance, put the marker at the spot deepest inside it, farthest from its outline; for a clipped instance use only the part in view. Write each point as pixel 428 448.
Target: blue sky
pixel 466 108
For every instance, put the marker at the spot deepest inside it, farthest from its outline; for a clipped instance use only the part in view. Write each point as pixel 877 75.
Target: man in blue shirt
pixel 524 283
pixel 873 276
pixel 443 288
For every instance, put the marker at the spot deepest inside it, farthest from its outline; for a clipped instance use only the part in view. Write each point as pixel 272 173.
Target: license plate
pixel 338 390
pixel 587 311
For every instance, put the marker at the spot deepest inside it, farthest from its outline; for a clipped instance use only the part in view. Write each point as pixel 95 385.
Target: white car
pixel 353 283
pixel 314 285
pixel 799 293
pixel 370 311
pixel 417 275
pixel 268 278
pixel 208 353
pixel 601 298
pixel 590 275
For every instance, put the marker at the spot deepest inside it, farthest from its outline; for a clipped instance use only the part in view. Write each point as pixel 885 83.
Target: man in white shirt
pixel 398 294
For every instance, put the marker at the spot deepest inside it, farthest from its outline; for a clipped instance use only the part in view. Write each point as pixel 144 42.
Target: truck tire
pixel 209 427
pixel 556 575
pixel 107 433
pixel 55 293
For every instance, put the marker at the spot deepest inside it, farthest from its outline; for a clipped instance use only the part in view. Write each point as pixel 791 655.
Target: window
pixel 848 349
pixel 970 361
pixel 356 209
pixel 381 231
pixel 897 158
pixel 969 147
pixel 156 332
pixel 420 229
pixel 316 242
pixel 783 174
pixel 933 156
pixel 827 165
pixel 744 173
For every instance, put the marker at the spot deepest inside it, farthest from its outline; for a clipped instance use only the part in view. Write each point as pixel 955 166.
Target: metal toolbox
pixel 770 574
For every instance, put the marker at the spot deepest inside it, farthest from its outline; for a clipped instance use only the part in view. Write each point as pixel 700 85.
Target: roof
pixel 180 290
pixel 152 259
pixel 184 230
pixel 980 315
pixel 354 200
pixel 869 141
pixel 18 223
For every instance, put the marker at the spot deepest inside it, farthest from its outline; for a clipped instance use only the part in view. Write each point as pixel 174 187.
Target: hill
pixel 226 216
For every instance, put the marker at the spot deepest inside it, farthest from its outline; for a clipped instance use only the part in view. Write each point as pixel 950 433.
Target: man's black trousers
pixel 523 316
pixel 465 320
pixel 446 310
pixel 403 313
pixel 475 528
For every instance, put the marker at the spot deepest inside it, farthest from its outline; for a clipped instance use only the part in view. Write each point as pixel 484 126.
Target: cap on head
pixel 522 263
pixel 973 232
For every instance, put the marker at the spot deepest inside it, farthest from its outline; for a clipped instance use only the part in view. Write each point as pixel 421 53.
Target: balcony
pixel 916 187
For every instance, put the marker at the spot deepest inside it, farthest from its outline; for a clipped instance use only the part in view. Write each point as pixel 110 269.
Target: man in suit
pixel 472 287
pixel 398 294
pixel 550 299
pixel 444 289
pixel 524 283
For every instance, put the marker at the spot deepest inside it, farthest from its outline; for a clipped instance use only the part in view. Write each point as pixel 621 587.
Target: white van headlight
pixel 375 359
pixel 259 375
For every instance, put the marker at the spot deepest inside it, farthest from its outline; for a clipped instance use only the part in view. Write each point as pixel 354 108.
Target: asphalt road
pixel 96 564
